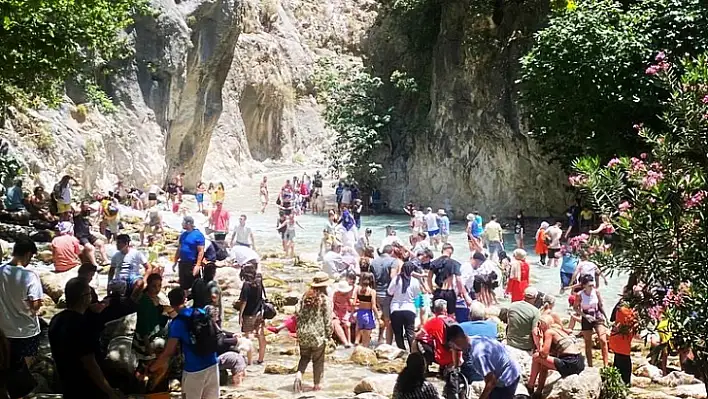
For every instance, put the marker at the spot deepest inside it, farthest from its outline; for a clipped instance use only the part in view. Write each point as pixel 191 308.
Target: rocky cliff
pixel 214 88
pixel 472 151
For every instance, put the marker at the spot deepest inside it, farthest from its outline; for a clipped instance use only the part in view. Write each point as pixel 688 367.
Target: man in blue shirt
pixel 568 265
pixel 486 357
pixel 14 197
pixel 478 325
pixel 200 377
pixel 190 253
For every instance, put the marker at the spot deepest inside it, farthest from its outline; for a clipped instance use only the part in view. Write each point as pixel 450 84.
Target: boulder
pixel 676 378
pixel 382 385
pixel 586 385
pixel 364 356
pixel 523 358
pixel 45 256
pixel 279 369
pixel 227 278
pixel 123 327
pixel 120 356
pixel 392 367
pixel 476 388
pixel 371 395
pixel 695 391
pixel 53 283
pixel 649 371
pixel 291 298
pixel 388 352
pixel 641 382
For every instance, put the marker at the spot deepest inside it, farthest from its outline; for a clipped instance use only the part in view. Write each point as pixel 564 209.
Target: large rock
pixel 382 385
pixel 649 371
pixel 279 369
pixel 586 385
pixel 364 356
pixel 388 352
pixel 677 378
pixel 523 359
pixel 695 391
pixel 53 283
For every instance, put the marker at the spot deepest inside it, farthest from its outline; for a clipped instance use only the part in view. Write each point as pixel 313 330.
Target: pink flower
pixel 656 312
pixel 577 180
pixel 638 126
pixel 624 206
pixel 613 162
pixel 660 57
pixel 663 66
pixel 651 179
pixel 705 99
pixel 652 70
pixel 695 200
pixel 643 155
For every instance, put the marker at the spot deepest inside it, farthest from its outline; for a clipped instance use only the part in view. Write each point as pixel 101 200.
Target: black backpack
pixel 221 252
pixel 203 333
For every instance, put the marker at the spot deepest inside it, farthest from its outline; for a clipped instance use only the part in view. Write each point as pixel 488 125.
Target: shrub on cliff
pixel 659 203
pixel 43 43
pixel 582 81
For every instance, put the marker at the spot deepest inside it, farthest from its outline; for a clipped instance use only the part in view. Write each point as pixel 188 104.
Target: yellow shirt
pixel 219 195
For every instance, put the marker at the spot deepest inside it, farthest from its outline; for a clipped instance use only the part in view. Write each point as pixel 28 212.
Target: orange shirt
pixel 622 331
pixel 66 252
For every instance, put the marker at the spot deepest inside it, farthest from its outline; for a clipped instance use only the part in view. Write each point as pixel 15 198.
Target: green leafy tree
pixel 45 42
pixel 354 109
pixel 10 166
pixel 659 204
pixel 582 82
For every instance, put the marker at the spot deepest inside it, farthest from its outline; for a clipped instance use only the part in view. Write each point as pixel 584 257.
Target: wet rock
pixel 677 378
pixel 175 385
pixel 522 358
pixel 47 301
pixel 120 357
pixel 273 282
pixel 388 352
pixel 227 278
pixel 279 369
pixel 586 385
pixel 53 283
pixel 649 371
pixel 382 385
pixel 364 356
pixel 371 395
pixel 696 391
pixel 389 367
pixel 641 382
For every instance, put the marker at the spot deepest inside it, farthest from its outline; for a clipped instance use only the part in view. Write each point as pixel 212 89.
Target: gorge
pixel 217 89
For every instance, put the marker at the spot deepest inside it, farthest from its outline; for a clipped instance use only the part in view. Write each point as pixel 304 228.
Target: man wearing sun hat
pixel 65 248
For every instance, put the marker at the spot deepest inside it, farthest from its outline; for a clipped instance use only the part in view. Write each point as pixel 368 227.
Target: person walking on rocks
pixel 200 378
pixel 314 328
pixel 384 270
pixel 20 301
pixel 495 240
pixel 61 194
pixel 219 222
pixel 190 253
pixel 553 237
pixel 126 265
pixel 250 307
pixel 263 193
pixel 243 235
pixel 444 223
pixel 199 196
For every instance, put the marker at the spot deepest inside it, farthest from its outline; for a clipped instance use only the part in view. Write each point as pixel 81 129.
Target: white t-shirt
pixel 242 234
pixel 555 233
pixel 154 189
pixel 587 268
pixel 128 265
pixel 66 194
pixel 403 300
pixel 346 196
pixel 431 220
pixel 333 264
pixel 389 241
pixel 17 286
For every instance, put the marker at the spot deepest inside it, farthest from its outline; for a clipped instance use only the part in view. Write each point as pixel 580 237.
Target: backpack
pixel 221 252
pixel 202 332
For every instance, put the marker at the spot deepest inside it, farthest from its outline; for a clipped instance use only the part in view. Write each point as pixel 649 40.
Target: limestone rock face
pixel 476 153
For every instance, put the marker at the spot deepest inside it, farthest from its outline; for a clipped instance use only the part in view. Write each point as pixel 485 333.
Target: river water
pixel 245 200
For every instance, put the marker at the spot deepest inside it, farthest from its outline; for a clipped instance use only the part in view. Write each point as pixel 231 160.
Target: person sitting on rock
pixel 152 319
pixel 152 223
pixel 14 197
pixel 558 352
pixel 523 316
pixel 65 248
pixel 411 383
pixel 37 205
pixel 430 341
pixel 110 217
pixel 478 325
pixel 82 231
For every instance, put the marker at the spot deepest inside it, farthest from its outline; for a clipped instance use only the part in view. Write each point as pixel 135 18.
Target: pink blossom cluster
pixel 673 298
pixel 661 64
pixel 577 180
pixel 624 208
pixel 577 242
pixel 650 175
pixel 651 179
pixel 705 99
pixel 695 199
pixel 656 312
pixel 613 162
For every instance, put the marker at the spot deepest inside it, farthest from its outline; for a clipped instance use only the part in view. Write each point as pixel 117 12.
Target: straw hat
pixel 343 287
pixel 470 217
pixel 321 279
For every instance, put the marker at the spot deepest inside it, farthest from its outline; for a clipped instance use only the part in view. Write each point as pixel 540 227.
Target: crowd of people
pixel 400 292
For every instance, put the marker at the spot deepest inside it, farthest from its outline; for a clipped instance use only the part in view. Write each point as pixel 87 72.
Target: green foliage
pixel 45 42
pixel 403 82
pixel 659 203
pixel 612 385
pixel 355 110
pixel 10 166
pixel 583 81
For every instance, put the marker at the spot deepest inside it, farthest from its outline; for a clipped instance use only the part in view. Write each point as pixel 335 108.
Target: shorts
pixel 203 384
pixel 289 235
pixel 186 276
pixel 90 239
pixel 219 236
pixel 565 279
pixel 569 364
pixel 420 301
pixel 588 326
pixel 264 199
pixel 384 305
pixel 449 296
pixel 433 233
pixel 552 252
pixel 199 198
pixel 365 319
pixel 63 208
pixel 152 197
pixel 251 323
pixel 495 247
pixel 232 361
pixel 20 348
pixel 113 226
pixel 129 281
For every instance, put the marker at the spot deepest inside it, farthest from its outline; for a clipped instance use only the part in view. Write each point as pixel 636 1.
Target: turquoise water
pixel 245 201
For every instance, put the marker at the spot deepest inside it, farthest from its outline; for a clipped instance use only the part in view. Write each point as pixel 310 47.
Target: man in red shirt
pixel 431 338
pixel 219 222
pixel 65 248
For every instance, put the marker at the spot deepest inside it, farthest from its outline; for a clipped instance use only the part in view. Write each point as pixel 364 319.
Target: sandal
pixel 297 384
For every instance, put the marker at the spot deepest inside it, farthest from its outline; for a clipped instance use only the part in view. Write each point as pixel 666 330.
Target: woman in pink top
pixel 343 308
pixel 219 222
